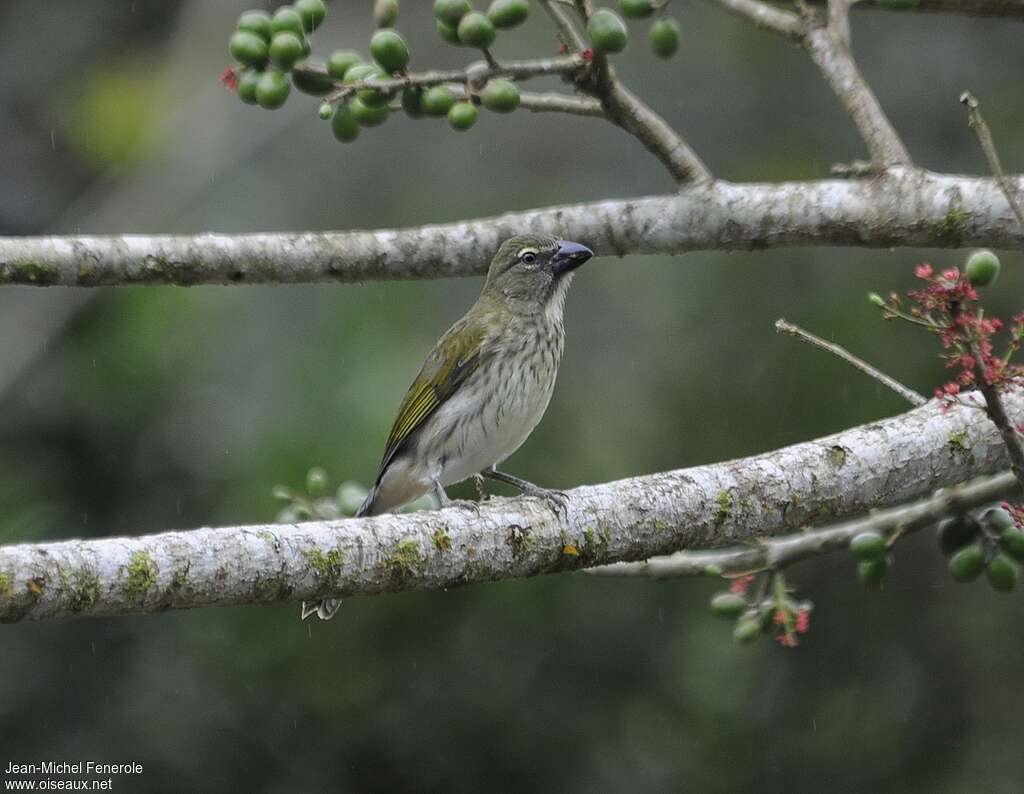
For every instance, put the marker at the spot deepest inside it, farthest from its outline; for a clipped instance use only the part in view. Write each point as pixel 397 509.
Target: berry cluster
pixel 272 54
pixel 771 610
pixel 992 543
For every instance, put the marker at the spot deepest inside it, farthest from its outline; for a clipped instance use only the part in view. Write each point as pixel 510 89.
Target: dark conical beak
pixel 569 256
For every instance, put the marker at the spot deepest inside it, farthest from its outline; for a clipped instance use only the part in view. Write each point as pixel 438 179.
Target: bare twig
pixel 1010 9
pixel 563 19
pixel 780 552
pixel 988 146
pixel 477 72
pixel 828 45
pixel 877 465
pixel 552 102
pixel 908 394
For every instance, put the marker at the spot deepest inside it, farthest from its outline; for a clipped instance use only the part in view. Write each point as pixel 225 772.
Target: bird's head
pixel 535 268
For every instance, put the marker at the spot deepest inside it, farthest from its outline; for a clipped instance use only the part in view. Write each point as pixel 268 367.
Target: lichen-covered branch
pixel 776 553
pixel 876 465
pixel 903 207
pixel 1011 9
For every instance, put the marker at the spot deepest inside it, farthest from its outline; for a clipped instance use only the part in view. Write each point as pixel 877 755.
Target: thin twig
pixel 479 72
pixel 996 411
pixel 562 17
pixel 785 23
pixel 780 552
pixel 988 146
pixel 908 394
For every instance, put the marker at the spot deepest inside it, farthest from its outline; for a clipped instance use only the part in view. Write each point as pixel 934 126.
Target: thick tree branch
pixel 910 208
pixel 883 463
pixel 780 552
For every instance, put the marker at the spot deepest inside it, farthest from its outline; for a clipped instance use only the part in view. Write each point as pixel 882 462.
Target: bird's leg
pixel 478 481
pixel 558 500
pixel 445 502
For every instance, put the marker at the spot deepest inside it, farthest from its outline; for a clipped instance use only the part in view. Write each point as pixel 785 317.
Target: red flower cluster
pixel 1016 513
pixel 948 306
pixel 791 624
pixel 741 584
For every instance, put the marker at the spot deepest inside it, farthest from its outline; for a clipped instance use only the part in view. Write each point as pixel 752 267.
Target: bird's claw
pixel 465 504
pixel 557 500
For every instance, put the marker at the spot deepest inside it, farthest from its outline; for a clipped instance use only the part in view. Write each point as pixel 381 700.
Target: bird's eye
pixel 529 258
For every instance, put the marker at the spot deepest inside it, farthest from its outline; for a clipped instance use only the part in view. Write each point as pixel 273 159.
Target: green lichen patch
pixel 441 539
pixel 836 456
pixel 405 560
pixel 958 442
pixel 32 273
pixel 80 587
pixel 180 578
pixel 594 546
pixel 952 229
pixel 724 501
pixel 140 575
pixel 328 565
pixel 6 585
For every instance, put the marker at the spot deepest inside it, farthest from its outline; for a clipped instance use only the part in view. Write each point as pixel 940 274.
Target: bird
pixel 483 388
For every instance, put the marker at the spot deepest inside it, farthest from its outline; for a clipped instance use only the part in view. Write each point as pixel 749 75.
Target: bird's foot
pixel 557 500
pixel 445 502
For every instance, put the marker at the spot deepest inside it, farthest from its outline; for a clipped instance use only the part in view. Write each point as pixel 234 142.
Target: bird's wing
pixel 454 358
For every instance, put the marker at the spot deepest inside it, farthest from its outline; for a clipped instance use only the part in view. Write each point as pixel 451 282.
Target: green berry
pixel 636 9
pixel 982 268
pixel 1002 573
pixel 285 49
pixel 247 86
pixel 316 481
pixel 349 497
pixel 257 22
pixel 389 49
pixel 998 520
pixel 340 61
pixel 476 30
pixel 368 115
pixel 312 13
pixel 747 630
pixel 876 299
pixel 312 80
pixel 665 38
pixel 412 103
pixel 606 31
pixel 1012 541
pixel 344 124
pixel 247 48
pixel 508 13
pixel 872 572
pixel 325 111
pixel 868 546
pixel 968 563
pixel 501 96
pixel 287 18
pixel 368 71
pixel 438 100
pixel 272 89
pixel 956 532
pixel 451 11
pixel 448 33
pixel 462 115
pixel 728 605
pixel 385 13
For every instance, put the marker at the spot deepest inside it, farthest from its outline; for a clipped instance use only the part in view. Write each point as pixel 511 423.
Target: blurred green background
pixel 134 410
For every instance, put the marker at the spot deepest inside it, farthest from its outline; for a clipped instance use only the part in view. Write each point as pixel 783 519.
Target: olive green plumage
pixel 484 386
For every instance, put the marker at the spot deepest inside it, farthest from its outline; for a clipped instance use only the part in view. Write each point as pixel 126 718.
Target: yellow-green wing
pixel 455 357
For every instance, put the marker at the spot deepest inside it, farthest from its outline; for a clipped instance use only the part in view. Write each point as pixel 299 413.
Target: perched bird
pixel 484 386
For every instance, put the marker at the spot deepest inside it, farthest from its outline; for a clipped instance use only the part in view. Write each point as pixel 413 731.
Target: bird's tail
pixel 326 608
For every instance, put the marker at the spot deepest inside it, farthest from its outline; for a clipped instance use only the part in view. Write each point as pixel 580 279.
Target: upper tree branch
pixel 883 463
pixel 914 208
pixel 829 47
pixel 1011 9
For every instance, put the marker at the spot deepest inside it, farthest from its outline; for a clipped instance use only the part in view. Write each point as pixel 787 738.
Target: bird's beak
pixel 569 256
